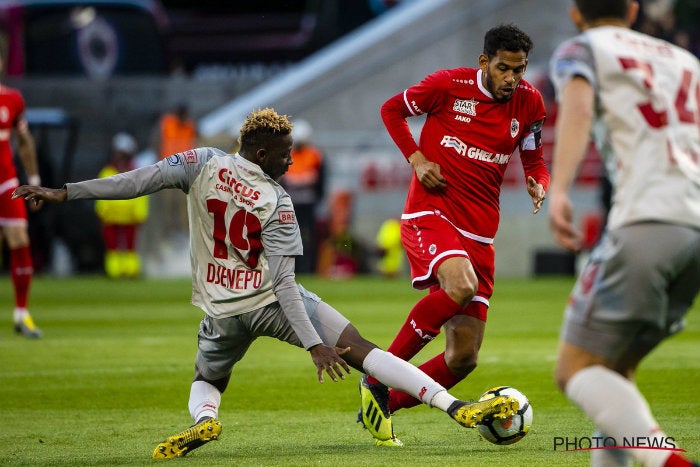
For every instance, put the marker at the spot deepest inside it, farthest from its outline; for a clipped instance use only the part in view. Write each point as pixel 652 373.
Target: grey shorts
pixel 635 290
pixel 224 341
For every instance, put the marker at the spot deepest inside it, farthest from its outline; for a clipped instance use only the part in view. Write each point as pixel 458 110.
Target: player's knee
pixel 463 290
pixel 461 363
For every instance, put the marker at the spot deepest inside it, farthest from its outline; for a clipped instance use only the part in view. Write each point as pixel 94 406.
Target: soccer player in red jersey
pixel 476 119
pixel 13 212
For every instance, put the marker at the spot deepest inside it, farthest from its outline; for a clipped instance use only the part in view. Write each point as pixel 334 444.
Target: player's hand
pixel 536 192
pixel 427 172
pixel 561 213
pixel 38 194
pixel 328 359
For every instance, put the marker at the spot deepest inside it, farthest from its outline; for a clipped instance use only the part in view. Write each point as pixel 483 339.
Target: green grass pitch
pixel 110 379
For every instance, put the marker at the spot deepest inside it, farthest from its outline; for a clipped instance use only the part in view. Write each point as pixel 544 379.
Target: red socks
pixel 423 324
pixel 21 271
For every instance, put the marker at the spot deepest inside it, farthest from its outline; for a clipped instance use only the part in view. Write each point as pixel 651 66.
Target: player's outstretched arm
pixel 37 194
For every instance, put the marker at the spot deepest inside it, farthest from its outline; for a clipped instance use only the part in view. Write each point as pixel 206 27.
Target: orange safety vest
pixel 175 135
pixel 305 168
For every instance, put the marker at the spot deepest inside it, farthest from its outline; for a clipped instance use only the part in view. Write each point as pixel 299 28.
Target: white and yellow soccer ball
pixel 512 429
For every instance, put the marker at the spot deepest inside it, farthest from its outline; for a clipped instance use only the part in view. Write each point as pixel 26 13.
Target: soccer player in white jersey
pixel 243 240
pixel 638 96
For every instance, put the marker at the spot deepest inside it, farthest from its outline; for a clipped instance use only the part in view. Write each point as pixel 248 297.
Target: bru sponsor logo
pixel 190 157
pixel 286 217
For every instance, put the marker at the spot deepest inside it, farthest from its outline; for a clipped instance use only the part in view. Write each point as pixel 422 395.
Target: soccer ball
pixel 512 429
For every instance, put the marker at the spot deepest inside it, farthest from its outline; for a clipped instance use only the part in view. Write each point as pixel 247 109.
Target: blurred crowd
pixel 677 21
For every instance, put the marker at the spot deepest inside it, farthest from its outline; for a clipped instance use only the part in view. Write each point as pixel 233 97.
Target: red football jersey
pixel 472 137
pixel 11 116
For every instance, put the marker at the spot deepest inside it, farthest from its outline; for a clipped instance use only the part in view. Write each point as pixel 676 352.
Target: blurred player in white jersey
pixel 638 97
pixel 243 241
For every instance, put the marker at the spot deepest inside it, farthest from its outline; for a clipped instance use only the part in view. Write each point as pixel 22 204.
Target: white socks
pixel 19 314
pixel 205 400
pixel 401 375
pixel 617 408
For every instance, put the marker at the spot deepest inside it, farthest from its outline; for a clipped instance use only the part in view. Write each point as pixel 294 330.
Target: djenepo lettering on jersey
pixel 237 279
pixel 463 149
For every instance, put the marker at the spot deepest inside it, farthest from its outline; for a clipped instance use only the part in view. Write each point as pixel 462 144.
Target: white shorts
pixel 224 341
pixel 635 290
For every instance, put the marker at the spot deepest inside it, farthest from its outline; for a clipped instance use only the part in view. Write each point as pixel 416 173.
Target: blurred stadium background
pixel 89 69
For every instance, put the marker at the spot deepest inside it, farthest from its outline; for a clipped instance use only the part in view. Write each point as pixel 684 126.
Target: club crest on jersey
pixel 465 106
pixel 174 160
pixel 514 128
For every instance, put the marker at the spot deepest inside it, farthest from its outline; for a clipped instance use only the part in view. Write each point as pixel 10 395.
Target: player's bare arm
pixel 428 172
pixel 328 359
pixel 572 138
pixel 536 192
pixel 27 155
pixel 37 194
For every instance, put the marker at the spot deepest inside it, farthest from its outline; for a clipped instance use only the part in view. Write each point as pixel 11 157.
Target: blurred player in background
pixel 243 241
pixel 121 218
pixel 305 182
pixel 176 132
pixel 13 212
pixel 639 97
pixel 476 119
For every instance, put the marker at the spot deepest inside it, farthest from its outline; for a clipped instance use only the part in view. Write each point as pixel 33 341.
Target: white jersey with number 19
pixel 655 115
pixel 238 216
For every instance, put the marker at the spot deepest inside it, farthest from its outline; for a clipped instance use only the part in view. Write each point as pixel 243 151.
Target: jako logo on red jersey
pixel 226 177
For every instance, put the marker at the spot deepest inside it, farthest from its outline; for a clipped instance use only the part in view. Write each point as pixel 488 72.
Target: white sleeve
pixel 571 59
pixel 125 185
pixel 287 293
pixel 177 171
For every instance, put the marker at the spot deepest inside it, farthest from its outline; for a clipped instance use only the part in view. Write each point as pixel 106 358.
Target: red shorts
pixel 429 240
pixel 12 211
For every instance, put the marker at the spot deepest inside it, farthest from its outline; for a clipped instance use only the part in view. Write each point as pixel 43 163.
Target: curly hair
pixel 261 124
pixel 506 37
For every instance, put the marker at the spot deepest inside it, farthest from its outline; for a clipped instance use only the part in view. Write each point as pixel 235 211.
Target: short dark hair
pixel 506 37
pixel 596 9
pixel 261 124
